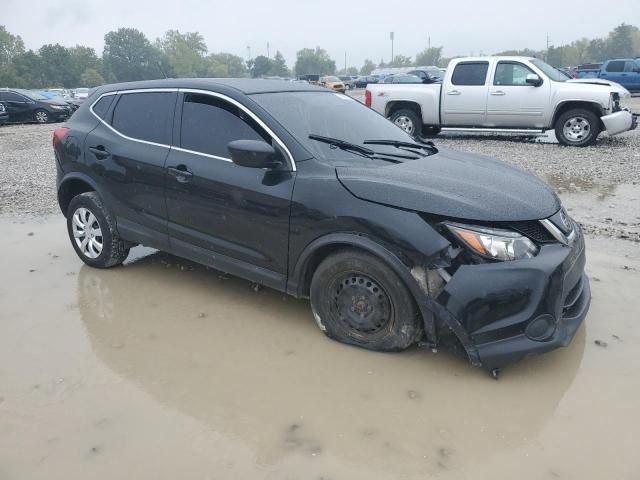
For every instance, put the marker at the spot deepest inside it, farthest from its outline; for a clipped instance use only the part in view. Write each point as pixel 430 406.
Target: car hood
pixel 456 185
pixel 600 82
pixel 55 102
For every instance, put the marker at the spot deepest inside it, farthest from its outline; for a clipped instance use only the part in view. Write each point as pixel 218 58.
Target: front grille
pixel 534 230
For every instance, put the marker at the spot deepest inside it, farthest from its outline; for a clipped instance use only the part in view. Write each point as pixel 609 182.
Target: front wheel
pixel 407 120
pixel 357 299
pixel 41 116
pixel 577 128
pixel 93 234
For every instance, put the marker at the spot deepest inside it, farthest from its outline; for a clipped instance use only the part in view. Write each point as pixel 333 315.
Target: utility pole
pixel 248 52
pixel 429 42
pixel 547 59
pixel 268 53
pixel 391 37
pixel 345 63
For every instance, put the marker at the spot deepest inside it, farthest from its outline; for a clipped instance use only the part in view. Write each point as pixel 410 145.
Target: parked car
pixel 507 95
pixel 28 106
pixel 333 83
pixel 402 78
pixel 312 193
pixel 428 75
pixel 625 71
pixel 349 81
pixel 52 95
pixel 312 79
pixel 363 81
pixel 80 93
pixel 4 115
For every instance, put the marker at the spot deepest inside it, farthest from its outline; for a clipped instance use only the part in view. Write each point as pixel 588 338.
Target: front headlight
pixel 494 243
pixel 57 107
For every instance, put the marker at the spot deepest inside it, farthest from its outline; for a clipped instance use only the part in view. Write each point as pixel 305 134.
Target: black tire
pixel 577 128
pixel 41 116
pixel 357 299
pixel 114 250
pixel 408 121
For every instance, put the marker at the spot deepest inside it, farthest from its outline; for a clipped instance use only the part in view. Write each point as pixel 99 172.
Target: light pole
pixel 391 37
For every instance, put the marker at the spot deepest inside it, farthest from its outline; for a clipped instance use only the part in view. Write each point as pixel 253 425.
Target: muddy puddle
pixel 165 369
pixel 602 208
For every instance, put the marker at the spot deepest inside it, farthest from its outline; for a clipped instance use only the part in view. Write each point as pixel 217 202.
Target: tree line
pixel 129 55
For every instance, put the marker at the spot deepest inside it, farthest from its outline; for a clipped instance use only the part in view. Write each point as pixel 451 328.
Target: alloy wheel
pixel 42 116
pixel 576 129
pixel 405 123
pixel 87 233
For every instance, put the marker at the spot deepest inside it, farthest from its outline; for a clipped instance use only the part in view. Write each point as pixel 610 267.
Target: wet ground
pixel 163 369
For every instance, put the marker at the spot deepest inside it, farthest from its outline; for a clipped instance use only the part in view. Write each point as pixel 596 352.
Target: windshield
pixel 331 115
pixel 330 79
pixel 32 95
pixel 550 71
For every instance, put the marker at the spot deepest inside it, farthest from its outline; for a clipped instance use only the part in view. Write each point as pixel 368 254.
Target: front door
pixel 512 102
pixel 464 97
pixel 235 218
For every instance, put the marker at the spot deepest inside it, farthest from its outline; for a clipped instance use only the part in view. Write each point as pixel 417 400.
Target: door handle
pixel 181 173
pixel 453 92
pixel 100 152
pixel 498 93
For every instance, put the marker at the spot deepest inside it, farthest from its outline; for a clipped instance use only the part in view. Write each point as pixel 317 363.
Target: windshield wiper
pixel 360 150
pixel 342 144
pixel 404 145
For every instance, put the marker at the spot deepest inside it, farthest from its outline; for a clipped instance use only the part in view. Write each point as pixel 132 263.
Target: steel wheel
pixel 87 233
pixel 405 123
pixel 41 116
pixel 576 129
pixel 361 304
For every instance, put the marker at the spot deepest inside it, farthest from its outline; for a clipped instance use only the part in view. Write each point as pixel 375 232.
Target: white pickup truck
pixel 506 95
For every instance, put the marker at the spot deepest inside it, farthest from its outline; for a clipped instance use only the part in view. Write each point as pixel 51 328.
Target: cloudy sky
pixel 358 28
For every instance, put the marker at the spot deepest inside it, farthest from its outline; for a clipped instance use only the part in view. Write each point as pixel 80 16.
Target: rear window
pixel 145 116
pixel 101 107
pixel 615 66
pixel 470 73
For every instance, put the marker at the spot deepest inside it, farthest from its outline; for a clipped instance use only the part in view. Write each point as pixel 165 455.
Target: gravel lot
pixel 599 184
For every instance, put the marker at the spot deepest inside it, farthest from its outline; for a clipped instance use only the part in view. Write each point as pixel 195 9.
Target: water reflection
pixel 253 366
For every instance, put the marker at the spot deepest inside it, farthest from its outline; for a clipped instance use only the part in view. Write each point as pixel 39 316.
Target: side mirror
pixel 533 79
pixel 254 154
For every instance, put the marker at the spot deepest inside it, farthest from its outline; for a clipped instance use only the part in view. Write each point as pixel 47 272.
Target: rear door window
pixel 470 73
pixel 145 116
pixel 629 66
pixel 615 66
pixel 210 123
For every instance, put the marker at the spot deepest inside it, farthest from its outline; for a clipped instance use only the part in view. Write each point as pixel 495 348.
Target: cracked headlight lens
pixel 494 243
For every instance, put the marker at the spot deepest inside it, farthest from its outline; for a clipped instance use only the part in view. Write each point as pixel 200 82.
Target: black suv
pixel 28 106
pixel 309 192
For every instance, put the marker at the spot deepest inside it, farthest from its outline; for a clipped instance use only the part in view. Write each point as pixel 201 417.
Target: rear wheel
pixel 357 299
pixel 577 127
pixel 93 234
pixel 407 120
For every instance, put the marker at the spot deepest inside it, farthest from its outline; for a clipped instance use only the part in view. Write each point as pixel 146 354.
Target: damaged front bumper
pixel 504 311
pixel 619 122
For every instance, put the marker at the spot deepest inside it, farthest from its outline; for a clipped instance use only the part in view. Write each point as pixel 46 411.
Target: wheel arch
pixel 71 186
pixel 567 105
pixel 299 281
pixel 395 105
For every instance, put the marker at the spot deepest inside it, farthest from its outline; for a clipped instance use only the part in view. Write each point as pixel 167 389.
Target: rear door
pixel 613 71
pixel 127 153
pixel 235 218
pixel 512 102
pixel 464 96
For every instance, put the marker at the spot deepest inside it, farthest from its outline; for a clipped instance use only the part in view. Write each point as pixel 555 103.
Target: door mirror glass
pixel 254 154
pixel 533 79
